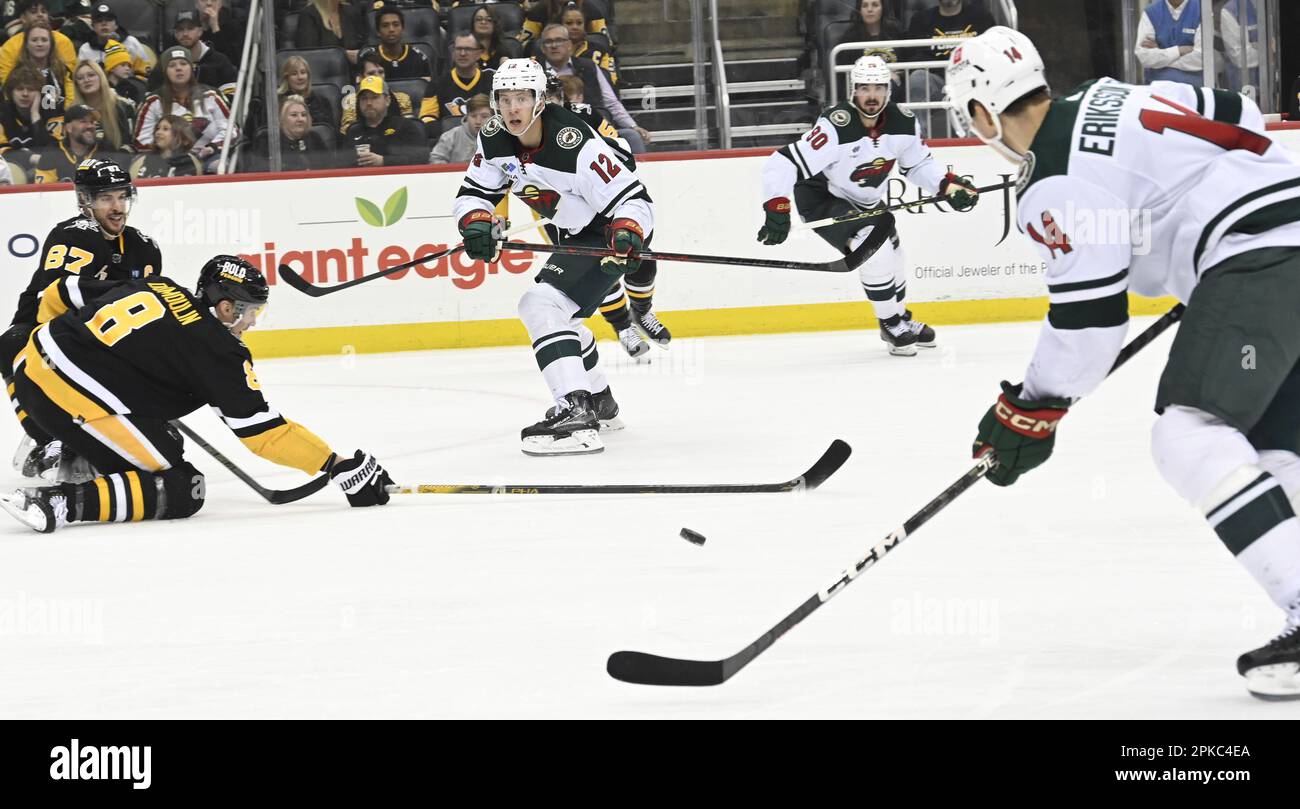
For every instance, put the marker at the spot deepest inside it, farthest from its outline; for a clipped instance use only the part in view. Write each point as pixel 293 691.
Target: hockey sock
pixel 642 295
pixel 596 381
pixel 559 356
pixel 120 497
pixel 878 271
pixel 614 309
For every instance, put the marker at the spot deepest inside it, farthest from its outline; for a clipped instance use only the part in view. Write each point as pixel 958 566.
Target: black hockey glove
pixel 776 226
pixel 362 479
pixel 479 232
pixel 626 240
pixel 960 191
pixel 1022 433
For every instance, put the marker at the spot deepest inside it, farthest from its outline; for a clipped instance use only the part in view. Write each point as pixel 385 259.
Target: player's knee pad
pixel 867 241
pixel 12 341
pixel 181 491
pixel 541 310
pixel 1199 454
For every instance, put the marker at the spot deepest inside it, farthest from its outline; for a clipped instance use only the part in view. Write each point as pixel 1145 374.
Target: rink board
pixel 967 267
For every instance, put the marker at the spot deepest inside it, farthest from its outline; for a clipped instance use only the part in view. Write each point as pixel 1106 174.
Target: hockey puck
pixel 693 537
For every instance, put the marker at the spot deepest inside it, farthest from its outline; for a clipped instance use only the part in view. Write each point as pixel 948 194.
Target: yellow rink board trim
pixel 687 323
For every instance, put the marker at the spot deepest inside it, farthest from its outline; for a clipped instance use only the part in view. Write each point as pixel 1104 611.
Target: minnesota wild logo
pixel 543 200
pixel 394 209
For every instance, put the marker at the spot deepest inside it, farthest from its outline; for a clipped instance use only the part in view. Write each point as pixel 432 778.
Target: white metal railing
pixel 1010 14
pixel 722 94
pixel 243 84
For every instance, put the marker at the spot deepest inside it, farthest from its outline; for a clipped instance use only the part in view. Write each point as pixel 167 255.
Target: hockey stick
pixel 272 496
pixel 837 265
pixel 293 279
pixel 830 462
pixel 648 669
pixel 856 215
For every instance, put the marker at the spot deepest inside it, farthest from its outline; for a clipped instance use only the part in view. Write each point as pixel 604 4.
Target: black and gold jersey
pixel 78 246
pixel 149 348
pixel 447 94
pixel 407 63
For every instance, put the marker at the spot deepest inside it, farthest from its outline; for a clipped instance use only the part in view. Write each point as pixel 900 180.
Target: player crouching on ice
pixel 552 159
pixel 842 166
pixel 1223 203
pixel 115 361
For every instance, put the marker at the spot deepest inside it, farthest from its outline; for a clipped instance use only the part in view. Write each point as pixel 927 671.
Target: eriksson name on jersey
pixel 1101 120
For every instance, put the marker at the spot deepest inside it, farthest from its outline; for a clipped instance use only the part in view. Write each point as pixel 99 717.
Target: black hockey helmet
pixel 95 176
pixel 230 278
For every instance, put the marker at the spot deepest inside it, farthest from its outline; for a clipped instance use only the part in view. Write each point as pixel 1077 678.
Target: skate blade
pixel 645 335
pixel 903 351
pixel 32 517
pixel 25 447
pixel 930 344
pixel 1276 683
pixel 611 425
pixel 580 442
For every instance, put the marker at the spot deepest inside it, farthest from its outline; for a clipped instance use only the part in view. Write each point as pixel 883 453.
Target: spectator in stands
pixel 6 175
pixel 220 29
pixel 458 145
pixel 558 52
pixel 952 19
pixel 1242 66
pixel 332 23
pixel 446 97
pixel 486 27
pixel 121 74
pixel 301 147
pixel 77 25
pixel 380 137
pixel 295 80
pixel 183 96
pixel 211 66
pixel 401 61
pixel 173 138
pixel 116 115
pixel 33 12
pixel 575 22
pixel 573 94
pixel 544 12
pixel 25 125
pixel 369 64
pixel 38 53
pixel 872 24
pixel 1169 41
pixel 58 162
pixel 104 27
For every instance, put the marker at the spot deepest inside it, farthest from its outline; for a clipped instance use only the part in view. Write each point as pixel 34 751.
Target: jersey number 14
pixel 1221 134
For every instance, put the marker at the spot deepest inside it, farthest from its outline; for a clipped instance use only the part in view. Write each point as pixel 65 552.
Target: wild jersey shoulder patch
pixel 908 113
pixel 568 138
pixel 492 126
pixel 840 117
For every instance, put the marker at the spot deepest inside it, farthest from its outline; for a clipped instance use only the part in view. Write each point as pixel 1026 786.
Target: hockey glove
pixel 776 227
pixel 479 232
pixel 1022 433
pixel 626 240
pixel 362 479
pixel 960 191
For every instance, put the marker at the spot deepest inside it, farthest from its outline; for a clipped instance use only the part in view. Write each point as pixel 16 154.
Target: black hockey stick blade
pixel 642 668
pixel 273 496
pixel 830 462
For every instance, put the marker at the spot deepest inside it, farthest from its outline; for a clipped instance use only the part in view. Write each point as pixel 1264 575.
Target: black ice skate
pixel 606 410
pixel 925 337
pixel 648 324
pixel 55 463
pixel 632 343
pixel 572 430
pixel 898 335
pixel 43 509
pixel 1272 671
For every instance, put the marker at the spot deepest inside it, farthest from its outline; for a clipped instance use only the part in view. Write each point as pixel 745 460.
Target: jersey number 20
pixel 119 318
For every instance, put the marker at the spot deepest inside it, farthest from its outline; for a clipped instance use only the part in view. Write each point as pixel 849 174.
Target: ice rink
pixel 1088 590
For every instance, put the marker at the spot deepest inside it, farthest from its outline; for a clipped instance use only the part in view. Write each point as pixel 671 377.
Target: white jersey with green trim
pixel 1142 188
pixel 855 160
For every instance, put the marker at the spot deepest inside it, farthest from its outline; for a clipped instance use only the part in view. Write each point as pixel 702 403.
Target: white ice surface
pixel 1087 590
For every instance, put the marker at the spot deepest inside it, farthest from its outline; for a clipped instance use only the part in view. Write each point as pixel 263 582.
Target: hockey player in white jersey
pixel 1212 216
pixel 842 166
pixel 552 160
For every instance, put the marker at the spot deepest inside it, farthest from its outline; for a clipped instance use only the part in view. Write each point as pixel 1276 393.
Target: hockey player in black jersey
pixel 110 366
pixel 97 243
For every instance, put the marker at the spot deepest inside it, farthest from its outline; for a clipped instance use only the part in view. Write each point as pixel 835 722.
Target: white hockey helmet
pixel 872 69
pixel 520 74
pixel 997 68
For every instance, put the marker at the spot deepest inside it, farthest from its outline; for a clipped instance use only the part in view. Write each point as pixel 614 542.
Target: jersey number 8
pixel 119 318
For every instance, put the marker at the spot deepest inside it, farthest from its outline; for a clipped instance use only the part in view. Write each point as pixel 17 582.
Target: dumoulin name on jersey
pixel 1142 188
pixel 149 348
pixel 574 178
pixel 854 160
